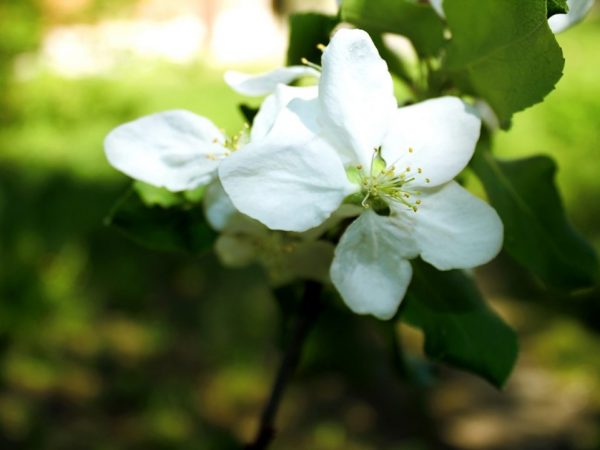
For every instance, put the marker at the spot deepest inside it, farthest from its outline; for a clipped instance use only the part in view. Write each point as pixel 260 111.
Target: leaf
pixel 248 112
pixel 418 22
pixel 557 7
pixel 459 328
pixel 173 229
pixel 537 232
pixel 155 196
pixel 307 31
pixel 502 51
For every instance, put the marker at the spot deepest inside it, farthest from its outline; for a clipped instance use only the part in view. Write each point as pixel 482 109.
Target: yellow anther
pixel 420 170
pixel 410 150
pixel 211 156
pixel 414 208
pixel 305 61
pixel 359 166
pixel 408 169
pixel 418 202
pixel 427 180
pixel 321 47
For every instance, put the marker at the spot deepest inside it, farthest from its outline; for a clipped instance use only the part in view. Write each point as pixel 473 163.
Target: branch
pixel 308 312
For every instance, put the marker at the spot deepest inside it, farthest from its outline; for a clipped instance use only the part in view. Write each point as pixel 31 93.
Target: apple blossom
pixel 352 143
pixel 180 150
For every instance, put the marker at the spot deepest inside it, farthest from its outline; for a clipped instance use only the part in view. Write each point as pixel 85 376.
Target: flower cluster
pixel 338 155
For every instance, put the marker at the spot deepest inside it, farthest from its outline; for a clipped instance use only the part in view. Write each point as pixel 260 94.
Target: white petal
pixel 356 94
pixel 370 269
pixel 456 230
pixel 287 186
pixel 265 83
pixel 274 104
pixel 218 209
pixel 177 149
pixel 437 5
pixel 487 115
pixel 442 134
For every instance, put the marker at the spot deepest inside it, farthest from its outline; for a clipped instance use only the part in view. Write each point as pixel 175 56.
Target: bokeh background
pixel 105 345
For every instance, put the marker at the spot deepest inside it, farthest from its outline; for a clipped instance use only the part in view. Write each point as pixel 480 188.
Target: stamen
pixel 321 47
pixel 306 62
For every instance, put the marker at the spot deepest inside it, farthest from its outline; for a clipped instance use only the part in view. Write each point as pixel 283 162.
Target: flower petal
pixel 286 183
pixel 218 209
pixel 437 5
pixel 265 83
pixel 176 149
pixel 577 11
pixel 456 230
pixel 356 94
pixel 442 134
pixel 370 269
pixel 274 104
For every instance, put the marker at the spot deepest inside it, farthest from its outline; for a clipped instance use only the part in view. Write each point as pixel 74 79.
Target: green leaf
pixel 418 22
pixel 502 51
pixel 537 232
pixel 557 7
pixel 459 328
pixel 248 112
pixel 173 229
pixel 307 31
pixel 155 196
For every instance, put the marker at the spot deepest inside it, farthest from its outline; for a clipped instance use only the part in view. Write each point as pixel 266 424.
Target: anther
pixel 359 166
pixel 419 170
pixel 321 47
pixel 410 150
pixel 427 180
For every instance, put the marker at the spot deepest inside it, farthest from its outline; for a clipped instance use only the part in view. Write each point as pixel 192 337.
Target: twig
pixel 308 311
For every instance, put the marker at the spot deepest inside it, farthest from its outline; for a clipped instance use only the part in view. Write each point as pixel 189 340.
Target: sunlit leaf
pixel 557 7
pixel 418 22
pixel 502 51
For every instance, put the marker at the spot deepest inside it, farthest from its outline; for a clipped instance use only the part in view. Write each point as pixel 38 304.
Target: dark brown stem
pixel 308 311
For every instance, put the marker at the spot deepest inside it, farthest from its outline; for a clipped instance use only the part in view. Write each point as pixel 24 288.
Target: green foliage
pixel 537 231
pixel 459 328
pixel 418 22
pixel 557 7
pixel 307 31
pixel 502 51
pixel 173 229
pixel 155 196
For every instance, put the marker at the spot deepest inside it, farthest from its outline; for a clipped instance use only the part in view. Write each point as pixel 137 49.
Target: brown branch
pixel 308 312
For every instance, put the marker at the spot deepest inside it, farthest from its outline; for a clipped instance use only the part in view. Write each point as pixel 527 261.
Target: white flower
pixel 180 150
pixel 559 22
pixel 398 164
pixel 265 83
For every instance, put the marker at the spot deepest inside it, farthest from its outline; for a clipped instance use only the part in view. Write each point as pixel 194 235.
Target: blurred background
pixel 105 345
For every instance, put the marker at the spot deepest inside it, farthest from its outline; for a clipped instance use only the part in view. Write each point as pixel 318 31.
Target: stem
pixel 308 311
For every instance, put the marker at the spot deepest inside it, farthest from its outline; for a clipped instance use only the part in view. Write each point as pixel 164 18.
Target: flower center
pixel 383 184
